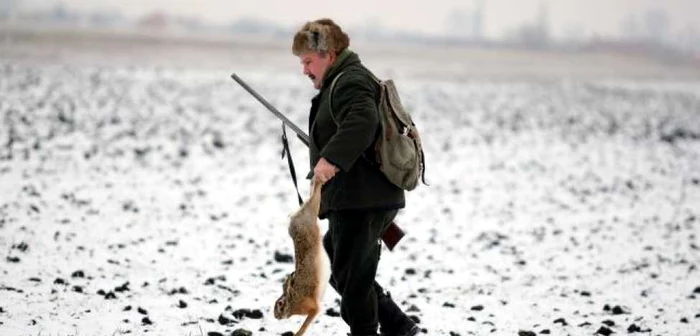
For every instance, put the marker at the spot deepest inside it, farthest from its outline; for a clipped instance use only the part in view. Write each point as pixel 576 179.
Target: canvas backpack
pixel 398 147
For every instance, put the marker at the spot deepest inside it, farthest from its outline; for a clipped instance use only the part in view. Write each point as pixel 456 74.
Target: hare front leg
pixel 311 309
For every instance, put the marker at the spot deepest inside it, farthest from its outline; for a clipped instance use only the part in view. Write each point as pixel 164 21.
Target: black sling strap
pixel 290 162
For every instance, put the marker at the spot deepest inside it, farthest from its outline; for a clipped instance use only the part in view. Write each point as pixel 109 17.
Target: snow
pixel 548 198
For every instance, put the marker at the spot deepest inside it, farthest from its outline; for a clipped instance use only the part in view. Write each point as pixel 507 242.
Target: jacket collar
pixel 344 59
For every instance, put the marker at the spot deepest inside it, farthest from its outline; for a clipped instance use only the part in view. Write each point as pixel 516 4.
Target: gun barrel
pixel 304 138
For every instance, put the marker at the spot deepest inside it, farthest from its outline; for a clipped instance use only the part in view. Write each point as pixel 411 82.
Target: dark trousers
pixel 353 247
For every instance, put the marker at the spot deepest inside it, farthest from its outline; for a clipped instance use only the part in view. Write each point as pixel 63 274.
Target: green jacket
pixel 349 145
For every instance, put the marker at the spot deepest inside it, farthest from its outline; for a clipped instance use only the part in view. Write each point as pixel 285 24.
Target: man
pixel 358 200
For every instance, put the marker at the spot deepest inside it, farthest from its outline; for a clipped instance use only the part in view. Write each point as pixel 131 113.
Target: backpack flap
pixel 394 101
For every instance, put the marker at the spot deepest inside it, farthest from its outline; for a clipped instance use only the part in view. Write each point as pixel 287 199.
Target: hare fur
pixel 303 289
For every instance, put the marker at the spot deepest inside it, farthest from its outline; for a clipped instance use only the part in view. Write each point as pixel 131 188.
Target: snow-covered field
pixel 147 199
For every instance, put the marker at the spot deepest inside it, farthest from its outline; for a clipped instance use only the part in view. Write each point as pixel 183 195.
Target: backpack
pixel 398 148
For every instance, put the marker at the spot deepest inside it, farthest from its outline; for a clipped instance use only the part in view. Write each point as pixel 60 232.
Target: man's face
pixel 315 65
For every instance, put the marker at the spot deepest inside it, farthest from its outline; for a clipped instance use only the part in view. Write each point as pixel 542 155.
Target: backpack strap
pixel 330 103
pixel 376 80
pixel 330 99
pixel 290 162
pixel 335 80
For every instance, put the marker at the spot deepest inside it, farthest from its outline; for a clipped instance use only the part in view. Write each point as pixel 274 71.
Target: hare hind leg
pixel 310 308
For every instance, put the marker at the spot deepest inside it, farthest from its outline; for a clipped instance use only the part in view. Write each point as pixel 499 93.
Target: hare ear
pixel 289 280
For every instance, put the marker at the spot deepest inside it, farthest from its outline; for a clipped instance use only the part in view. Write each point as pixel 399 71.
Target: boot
pixel 407 329
pixel 392 320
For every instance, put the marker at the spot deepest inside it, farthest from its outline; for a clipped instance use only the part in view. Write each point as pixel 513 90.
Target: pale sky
pixel 602 17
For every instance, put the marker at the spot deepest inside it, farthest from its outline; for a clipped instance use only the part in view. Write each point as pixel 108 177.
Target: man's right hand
pixel 325 170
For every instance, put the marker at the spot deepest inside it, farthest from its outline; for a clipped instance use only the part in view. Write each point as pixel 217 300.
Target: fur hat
pixel 322 36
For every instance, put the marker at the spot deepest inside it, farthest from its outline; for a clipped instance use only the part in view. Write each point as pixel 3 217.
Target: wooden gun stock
pixel 392 235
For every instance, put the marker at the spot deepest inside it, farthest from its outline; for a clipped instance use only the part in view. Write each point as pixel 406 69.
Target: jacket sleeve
pixel 355 111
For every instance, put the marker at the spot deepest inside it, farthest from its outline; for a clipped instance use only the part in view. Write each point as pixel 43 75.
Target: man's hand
pixel 325 170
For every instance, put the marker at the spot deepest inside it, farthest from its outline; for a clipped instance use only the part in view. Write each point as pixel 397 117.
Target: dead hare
pixel 303 289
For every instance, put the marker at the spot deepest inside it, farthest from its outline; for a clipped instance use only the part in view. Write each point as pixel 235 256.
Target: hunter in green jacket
pixel 357 199
pixel 344 135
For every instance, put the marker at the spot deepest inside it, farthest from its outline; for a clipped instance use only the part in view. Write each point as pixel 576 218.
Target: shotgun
pixel 393 233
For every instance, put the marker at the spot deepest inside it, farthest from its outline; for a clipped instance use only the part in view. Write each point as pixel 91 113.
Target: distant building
pixel 160 21
pixel 657 25
pixel 258 27
pixel 536 34
pixel 59 13
pixel 478 24
pixel 251 26
pixel 156 20
pixel 688 41
pixel 105 19
pixel 465 24
pixel 8 9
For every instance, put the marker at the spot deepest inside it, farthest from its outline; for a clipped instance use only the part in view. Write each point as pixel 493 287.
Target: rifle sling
pixel 290 162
